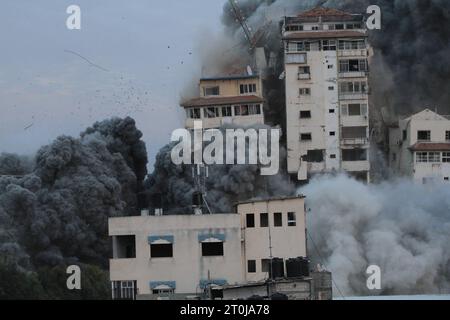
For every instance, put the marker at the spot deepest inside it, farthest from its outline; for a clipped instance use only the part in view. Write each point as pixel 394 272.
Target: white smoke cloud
pixel 402 227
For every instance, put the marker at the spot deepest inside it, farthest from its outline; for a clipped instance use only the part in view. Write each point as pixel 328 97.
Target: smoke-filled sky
pixel 150 49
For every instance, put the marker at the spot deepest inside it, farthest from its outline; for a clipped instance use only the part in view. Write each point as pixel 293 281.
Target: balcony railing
pixel 304 76
pixel 353 74
pixel 354 141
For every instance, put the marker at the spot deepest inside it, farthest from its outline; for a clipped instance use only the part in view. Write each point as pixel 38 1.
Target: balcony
pixel 353 74
pixel 352 53
pixel 353 96
pixel 356 166
pixel 355 141
pixel 304 76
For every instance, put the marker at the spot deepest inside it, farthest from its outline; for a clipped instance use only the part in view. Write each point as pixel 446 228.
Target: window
pixel 330 88
pixel 247 88
pixel 332 133
pixel 292 221
pixel 125 247
pixel 421 157
pixel 254 109
pixel 305 137
pixel 304 70
pixel 446 179
pixel 434 157
pixel 212 249
pixel 211 91
pixel 446 157
pixel 265 265
pixel 315 156
pixel 354 109
pixel 353 25
pixel 161 250
pixel 332 156
pixel 250 218
pixel 245 110
pixel 353 65
pixel 354 132
pixel 329 45
pixel 330 66
pixel 211 112
pixel 424 135
pixel 264 220
pixel 124 290
pixel 352 45
pixel 294 28
pixel 354 155
pixel 226 111
pixel 305 91
pixel 331 111
pixel 447 135
pixel 315 28
pixel 278 219
pixel 339 26
pixel 193 113
pixel 353 87
pixel 251 266
pixel 305 114
pixel 303 46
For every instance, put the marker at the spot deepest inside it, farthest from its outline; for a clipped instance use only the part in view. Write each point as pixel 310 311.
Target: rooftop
pixel 231 77
pixel 217 101
pixel 323 12
pixel 255 200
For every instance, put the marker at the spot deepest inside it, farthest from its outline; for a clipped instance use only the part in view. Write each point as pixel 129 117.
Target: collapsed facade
pixel 327 102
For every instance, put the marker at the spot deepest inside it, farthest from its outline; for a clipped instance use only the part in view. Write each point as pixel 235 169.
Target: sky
pixel 147 52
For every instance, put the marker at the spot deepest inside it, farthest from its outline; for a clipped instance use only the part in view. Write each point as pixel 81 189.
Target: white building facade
pixel 420 147
pixel 180 256
pixel 327 102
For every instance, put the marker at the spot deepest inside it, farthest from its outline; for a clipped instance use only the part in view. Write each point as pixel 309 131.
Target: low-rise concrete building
pixel 230 99
pixel 184 256
pixel 419 147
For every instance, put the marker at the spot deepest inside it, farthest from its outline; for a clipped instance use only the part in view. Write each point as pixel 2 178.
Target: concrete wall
pixel 287 242
pixel 187 267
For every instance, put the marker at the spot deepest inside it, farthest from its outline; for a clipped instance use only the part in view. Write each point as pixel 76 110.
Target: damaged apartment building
pixel 327 93
pixel 227 99
pixel 259 249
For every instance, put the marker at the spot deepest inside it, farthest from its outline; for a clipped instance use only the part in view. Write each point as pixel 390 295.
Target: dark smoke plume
pixel 58 212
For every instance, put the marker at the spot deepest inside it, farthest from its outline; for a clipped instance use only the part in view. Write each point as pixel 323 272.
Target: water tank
pixel 276 268
pixel 197 199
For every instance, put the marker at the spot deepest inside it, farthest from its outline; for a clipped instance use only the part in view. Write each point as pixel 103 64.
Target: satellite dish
pixel 249 71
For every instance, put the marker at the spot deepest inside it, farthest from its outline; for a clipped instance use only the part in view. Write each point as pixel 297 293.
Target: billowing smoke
pixel 225 185
pixel 57 212
pixel 399 226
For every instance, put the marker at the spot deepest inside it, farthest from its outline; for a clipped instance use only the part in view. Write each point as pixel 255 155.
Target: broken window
pixel 278 219
pixel 305 114
pixel 124 247
pixel 315 156
pixel 250 217
pixel 354 155
pixel 251 266
pixel 305 137
pixel 211 91
pixel 164 250
pixel 292 220
pixel 212 249
pixel 424 135
pixel 226 111
pixel 264 220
